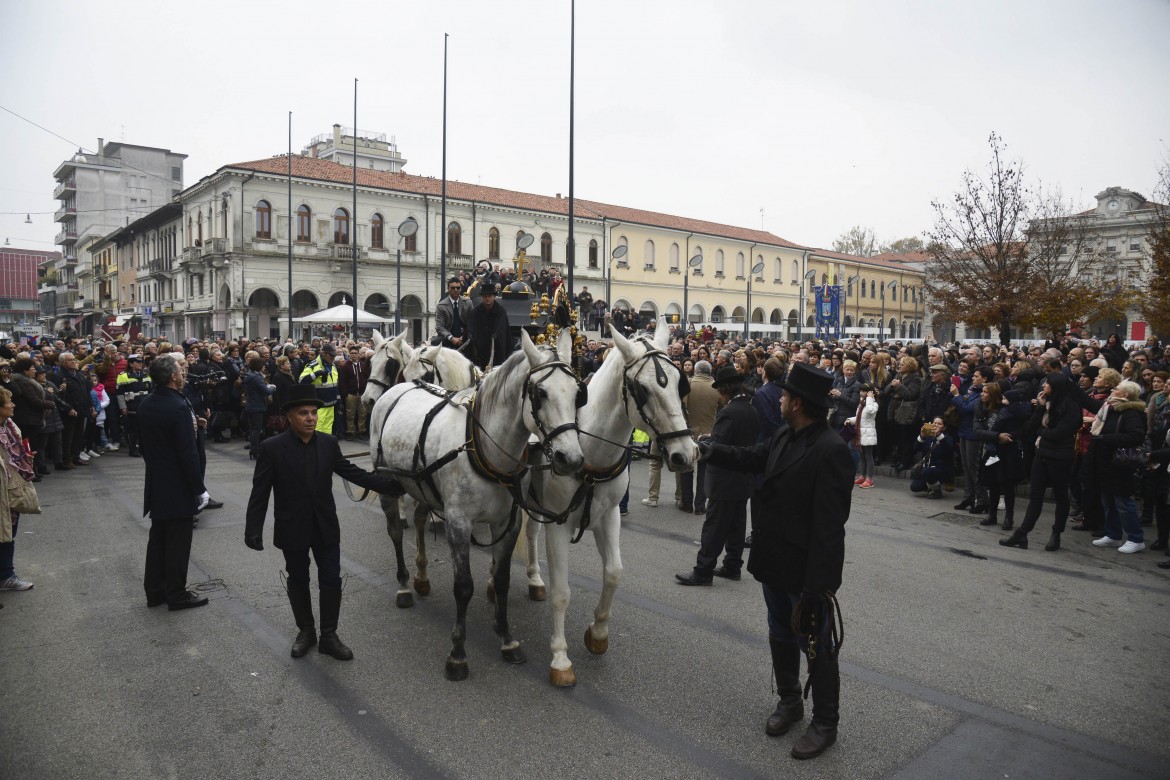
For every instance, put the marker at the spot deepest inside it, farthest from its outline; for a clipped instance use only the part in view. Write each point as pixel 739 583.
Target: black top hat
pixel 300 395
pixel 727 377
pixel 811 384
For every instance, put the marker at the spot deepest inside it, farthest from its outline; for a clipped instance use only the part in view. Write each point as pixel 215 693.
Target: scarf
pixel 1099 423
pixel 15 455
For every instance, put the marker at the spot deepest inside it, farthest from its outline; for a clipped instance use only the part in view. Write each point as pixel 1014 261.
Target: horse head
pixel 650 393
pixel 390 355
pixel 448 368
pixel 552 395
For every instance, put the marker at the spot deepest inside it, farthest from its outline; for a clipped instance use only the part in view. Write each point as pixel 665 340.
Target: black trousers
pixel 168 551
pixel 725 526
pixel 72 437
pixel 327 556
pixel 1046 474
pixel 700 479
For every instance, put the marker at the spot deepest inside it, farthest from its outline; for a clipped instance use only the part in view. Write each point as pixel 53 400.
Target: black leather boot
pixel 790 709
pixel 826 695
pixel 992 517
pixel 1053 542
pixel 330 609
pixel 1017 539
pixel 302 606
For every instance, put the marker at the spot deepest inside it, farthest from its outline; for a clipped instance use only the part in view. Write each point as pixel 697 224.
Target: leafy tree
pixel 1156 297
pixel 857 240
pixel 904 246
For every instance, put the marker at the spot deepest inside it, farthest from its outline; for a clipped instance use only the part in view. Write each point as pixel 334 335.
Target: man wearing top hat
pixel 798 549
pixel 490 341
pixel 298 466
pixel 727 490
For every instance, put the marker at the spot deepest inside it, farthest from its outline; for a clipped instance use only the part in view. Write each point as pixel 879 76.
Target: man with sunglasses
pixel 452 317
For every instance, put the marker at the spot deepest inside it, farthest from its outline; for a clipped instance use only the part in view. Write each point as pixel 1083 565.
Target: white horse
pixel 447 368
pixel 465 459
pixel 636 386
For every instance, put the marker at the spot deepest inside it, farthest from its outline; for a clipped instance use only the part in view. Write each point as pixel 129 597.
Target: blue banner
pixel 828 311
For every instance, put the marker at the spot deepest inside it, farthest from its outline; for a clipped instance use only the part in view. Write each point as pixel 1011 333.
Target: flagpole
pixel 290 229
pixel 443 217
pixel 572 58
pixel 353 248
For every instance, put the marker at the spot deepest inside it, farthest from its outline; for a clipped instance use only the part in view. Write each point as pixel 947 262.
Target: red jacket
pixel 351 379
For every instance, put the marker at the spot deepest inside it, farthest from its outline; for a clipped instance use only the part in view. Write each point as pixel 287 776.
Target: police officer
pixel 322 375
pixel 133 385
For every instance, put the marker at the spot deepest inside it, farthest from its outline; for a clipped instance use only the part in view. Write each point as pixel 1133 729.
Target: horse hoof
pixel 595 646
pixel 537 592
pixel 514 655
pixel 456 670
pixel 491 592
pixel 422 587
pixel 562 678
pixel 405 599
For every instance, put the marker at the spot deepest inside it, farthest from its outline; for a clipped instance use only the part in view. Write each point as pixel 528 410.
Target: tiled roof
pixel 878 261
pixel 324 170
pixel 904 257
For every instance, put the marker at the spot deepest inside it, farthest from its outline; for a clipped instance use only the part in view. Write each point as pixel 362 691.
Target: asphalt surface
pixel 962 659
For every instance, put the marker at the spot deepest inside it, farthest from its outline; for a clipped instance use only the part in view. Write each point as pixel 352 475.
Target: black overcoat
pixel 174 475
pixel 736 425
pixel 302 502
pixel 798 530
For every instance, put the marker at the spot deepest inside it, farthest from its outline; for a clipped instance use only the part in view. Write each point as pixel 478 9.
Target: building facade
pixel 21 271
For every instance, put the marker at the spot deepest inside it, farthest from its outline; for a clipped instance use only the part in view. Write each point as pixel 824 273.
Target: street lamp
pixel 408 227
pixel 856 298
pixel 747 315
pixel 618 253
pixel 809 274
pixel 694 262
pixel 890 285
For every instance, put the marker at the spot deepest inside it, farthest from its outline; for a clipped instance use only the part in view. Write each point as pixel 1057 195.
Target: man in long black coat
pixel 173 487
pixel 490 341
pixel 727 490
pixel 798 548
pixel 298 466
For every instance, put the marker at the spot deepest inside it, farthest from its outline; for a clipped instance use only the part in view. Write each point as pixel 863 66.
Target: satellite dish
pixel 695 261
pixel 525 240
pixel 757 268
pixel 408 227
pixel 619 251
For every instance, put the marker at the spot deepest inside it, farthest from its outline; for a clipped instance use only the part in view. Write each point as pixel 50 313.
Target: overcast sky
pixel 822 115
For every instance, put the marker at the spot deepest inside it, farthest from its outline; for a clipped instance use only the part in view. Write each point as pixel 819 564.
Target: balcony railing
pixel 215 246
pixel 69 234
pixel 160 268
pixel 344 252
pixel 68 212
pixel 192 255
pixel 68 185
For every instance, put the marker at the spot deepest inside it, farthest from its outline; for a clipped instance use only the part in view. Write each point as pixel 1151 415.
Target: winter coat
pixel 846 404
pixel 936 399
pixel 939 454
pixel 256 392
pixel 988 425
pixel 31 403
pixel 1124 425
pixel 904 398
pixel 967 403
pixel 866 435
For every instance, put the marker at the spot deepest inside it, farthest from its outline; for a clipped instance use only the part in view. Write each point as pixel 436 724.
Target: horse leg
pixel 394 527
pixel 422 581
pixel 491 583
pixel 605 533
pixel 459 539
pixel 556 543
pixel 536 588
pixel 502 575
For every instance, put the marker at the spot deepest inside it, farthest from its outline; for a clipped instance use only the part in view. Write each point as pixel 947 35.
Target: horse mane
pixel 492 390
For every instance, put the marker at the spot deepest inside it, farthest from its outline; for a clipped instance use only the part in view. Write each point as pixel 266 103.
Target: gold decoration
pixel 534 312
pixel 544 303
pixel 540 338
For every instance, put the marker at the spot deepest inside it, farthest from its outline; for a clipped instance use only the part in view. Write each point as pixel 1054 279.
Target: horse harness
pixel 630 388
pixel 435 377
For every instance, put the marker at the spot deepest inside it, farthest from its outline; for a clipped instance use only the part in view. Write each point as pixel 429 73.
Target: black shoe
pixel 189 600
pixel 815 741
pixel 978 509
pixel 306 638
pixel 1015 540
pixel 214 505
pixel 221 440
pixel 687 508
pixel 966 502
pixel 935 493
pixel 1159 544
pixel 989 520
pixel 726 574
pixel 1164 565
pixel 331 645
pixel 1053 542
pixel 37 478
pixel 155 601
pixel 690 579
pixel 1007 524
pixel 134 453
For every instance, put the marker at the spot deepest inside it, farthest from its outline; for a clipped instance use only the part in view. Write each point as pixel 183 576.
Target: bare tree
pixel 904 246
pixel 1156 293
pixel 857 240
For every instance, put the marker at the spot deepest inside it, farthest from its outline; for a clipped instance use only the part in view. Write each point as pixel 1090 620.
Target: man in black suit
pixel 491 344
pixel 798 549
pixel 727 491
pixel 298 465
pixel 173 491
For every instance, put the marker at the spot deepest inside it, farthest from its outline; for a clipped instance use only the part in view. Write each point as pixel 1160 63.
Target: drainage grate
pixel 959 518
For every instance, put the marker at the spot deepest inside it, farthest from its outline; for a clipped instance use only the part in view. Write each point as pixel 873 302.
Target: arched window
pixel 760 263
pixel 199 236
pixel 795 270
pixel 304 223
pixel 377 231
pixel 914 295
pixel 864 288
pixel 263 220
pixel 718 262
pixel 410 243
pixel 824 279
pixel 648 254
pixel 592 253
pixel 740 271
pixel 341 226
pixel 778 268
pixel 872 288
pixel 454 239
pixel 674 257
pixel 493 244
pixel 545 248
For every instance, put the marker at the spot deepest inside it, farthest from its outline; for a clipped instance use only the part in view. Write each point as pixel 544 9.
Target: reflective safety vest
pixel 327 392
pixel 132 388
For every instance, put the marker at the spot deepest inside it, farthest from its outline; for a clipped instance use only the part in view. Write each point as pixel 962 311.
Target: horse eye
pixel 542 394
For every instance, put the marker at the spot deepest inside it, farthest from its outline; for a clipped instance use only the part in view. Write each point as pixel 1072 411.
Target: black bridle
pixel 534 391
pixel 631 389
pixel 395 374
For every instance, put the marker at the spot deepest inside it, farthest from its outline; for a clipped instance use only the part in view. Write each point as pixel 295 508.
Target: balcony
pixel 459 261
pixel 65 187
pixel 215 246
pixel 160 269
pixel 192 255
pixel 344 252
pixel 66 235
pixel 67 212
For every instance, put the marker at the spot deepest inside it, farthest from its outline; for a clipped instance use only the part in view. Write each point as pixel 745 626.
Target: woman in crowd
pixel 938 457
pixel 904 391
pixel 256 392
pixel 997 427
pixel 284 378
pixel 14 460
pixel 688 368
pixel 968 401
pixel 1120 424
pixel 880 376
pixel 1055 420
pixel 1158 477
pixel 1114 352
pixel 846 394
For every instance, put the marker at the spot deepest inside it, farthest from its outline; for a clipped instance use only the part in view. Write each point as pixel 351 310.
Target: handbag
pixel 277 423
pixel 22 496
pixel 918 468
pixel 1130 458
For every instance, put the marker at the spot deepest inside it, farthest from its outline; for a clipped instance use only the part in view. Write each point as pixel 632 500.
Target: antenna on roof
pixel 761 219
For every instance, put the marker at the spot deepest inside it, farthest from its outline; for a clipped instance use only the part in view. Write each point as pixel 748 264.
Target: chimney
pixel 101 150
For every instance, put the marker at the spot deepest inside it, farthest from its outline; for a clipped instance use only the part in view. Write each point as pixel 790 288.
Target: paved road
pixel 962 659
